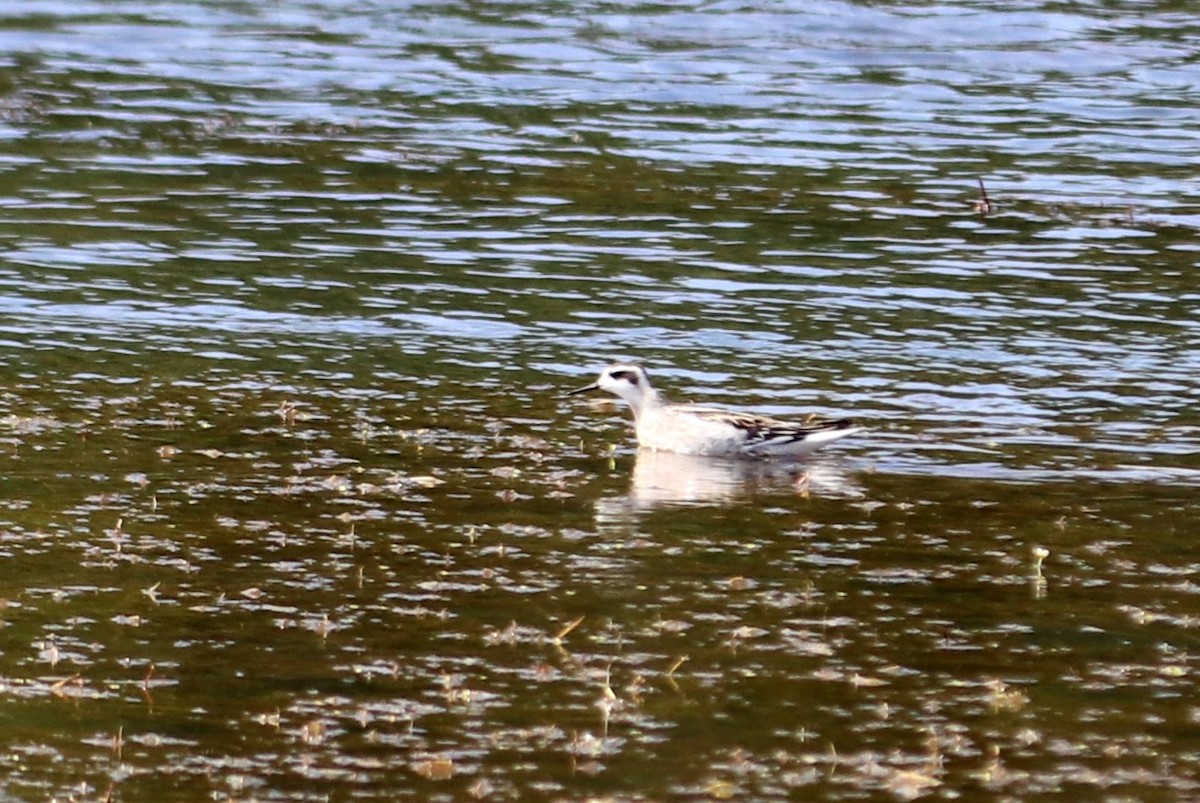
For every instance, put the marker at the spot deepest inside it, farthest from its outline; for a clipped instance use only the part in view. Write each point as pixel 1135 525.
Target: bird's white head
pixel 627 380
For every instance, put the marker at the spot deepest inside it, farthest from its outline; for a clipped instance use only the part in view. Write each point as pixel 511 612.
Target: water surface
pixel 294 508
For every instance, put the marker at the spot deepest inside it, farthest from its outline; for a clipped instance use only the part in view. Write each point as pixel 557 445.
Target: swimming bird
pixel 665 426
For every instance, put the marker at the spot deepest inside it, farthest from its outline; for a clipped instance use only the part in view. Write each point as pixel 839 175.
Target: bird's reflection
pixel 665 478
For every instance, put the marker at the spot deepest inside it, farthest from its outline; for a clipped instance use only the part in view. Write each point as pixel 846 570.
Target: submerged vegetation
pixel 283 600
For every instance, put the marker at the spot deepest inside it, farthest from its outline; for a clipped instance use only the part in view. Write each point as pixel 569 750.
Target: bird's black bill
pixel 577 391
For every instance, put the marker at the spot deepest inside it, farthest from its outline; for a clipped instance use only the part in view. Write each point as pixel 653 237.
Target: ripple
pixel 290 295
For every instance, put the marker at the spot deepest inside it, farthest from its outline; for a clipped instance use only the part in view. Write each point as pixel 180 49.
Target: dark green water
pixel 293 506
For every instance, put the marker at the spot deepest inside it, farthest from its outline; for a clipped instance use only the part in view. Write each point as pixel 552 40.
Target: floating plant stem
pixel 1040 553
pixel 565 631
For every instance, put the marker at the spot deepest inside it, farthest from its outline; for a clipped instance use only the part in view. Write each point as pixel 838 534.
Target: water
pixel 294 508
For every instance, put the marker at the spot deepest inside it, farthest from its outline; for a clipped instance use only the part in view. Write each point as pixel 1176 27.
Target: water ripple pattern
pixel 289 293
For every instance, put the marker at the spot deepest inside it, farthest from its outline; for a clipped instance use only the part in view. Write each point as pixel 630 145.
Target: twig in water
pixel 984 205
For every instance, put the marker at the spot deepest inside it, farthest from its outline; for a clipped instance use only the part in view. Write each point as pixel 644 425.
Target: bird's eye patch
pixel 629 376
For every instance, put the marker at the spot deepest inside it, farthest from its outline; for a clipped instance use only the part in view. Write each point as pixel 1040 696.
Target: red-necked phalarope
pixel 690 429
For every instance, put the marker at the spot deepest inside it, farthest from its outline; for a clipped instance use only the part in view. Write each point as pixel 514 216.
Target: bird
pixel 663 425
